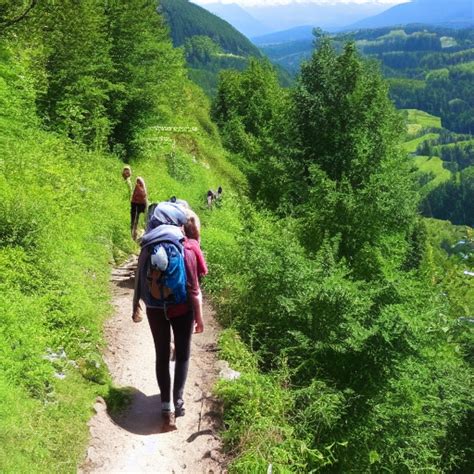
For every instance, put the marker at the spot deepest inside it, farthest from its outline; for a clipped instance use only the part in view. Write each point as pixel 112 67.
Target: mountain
pixel 326 16
pixel 187 20
pixel 299 33
pixel 238 18
pixel 455 13
pixel 210 44
pixel 428 67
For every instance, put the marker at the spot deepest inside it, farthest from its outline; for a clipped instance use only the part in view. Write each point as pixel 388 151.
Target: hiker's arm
pixel 196 301
pixel 194 290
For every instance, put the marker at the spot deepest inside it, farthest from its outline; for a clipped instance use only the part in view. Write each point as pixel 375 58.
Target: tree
pixel 12 14
pixel 200 49
pixel 78 71
pixel 150 74
pixel 348 134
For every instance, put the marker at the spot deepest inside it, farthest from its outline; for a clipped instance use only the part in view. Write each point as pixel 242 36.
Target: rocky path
pixel 134 441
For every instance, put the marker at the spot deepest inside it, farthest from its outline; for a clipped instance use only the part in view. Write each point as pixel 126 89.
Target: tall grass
pixel 64 222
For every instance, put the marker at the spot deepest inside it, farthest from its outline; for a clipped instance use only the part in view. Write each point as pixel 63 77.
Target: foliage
pixel 429 68
pixel 187 20
pixel 336 288
pixel 64 217
pixel 258 423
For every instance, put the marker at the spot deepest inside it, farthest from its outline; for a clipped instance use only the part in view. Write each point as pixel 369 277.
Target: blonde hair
pixel 125 169
pixel 141 182
pixel 192 228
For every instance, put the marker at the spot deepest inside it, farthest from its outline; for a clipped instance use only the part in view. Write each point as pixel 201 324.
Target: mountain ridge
pixel 458 13
pixel 239 18
pixel 186 19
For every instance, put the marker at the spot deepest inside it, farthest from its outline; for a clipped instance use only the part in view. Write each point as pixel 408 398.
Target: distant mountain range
pixel 258 20
pixel 327 16
pixel 447 13
pixel 295 22
pixel 238 18
pixel 299 33
pixel 454 13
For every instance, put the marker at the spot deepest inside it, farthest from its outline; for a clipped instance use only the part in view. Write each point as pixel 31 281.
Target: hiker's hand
pixel 137 316
pixel 198 326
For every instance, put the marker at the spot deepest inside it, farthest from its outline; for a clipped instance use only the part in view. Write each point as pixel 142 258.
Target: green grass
pixel 411 145
pixel 64 222
pixel 257 411
pixel 417 120
pixel 464 67
pixel 448 42
pixel 434 165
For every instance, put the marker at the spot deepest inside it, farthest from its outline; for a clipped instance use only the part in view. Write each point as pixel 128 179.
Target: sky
pixel 245 3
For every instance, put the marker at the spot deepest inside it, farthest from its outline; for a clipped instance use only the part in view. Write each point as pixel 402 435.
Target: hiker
pixel 164 245
pixel 126 175
pixel 213 196
pixel 138 205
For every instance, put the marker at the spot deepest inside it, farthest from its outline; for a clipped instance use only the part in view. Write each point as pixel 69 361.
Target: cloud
pixel 269 3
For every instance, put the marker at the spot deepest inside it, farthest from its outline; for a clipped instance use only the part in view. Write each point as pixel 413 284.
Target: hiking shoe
pixel 169 420
pixel 179 408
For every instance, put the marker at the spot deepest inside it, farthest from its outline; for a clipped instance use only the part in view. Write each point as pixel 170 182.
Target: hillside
pixel 428 68
pixel 187 19
pixel 210 43
pixel 446 164
pixel 65 214
pixel 450 13
pixel 349 301
pixel 348 342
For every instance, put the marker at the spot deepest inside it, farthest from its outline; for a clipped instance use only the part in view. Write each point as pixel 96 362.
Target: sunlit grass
pixel 411 145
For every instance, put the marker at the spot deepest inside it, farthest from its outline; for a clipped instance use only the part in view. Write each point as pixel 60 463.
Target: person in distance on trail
pixel 127 175
pixel 165 228
pixel 138 205
pixel 213 196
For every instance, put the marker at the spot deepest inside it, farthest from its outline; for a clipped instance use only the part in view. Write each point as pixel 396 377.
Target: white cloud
pixel 269 3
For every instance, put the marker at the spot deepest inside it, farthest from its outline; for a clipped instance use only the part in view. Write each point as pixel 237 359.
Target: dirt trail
pixel 133 441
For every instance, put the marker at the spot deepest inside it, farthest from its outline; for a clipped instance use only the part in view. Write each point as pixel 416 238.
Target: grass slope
pixel 64 222
pixel 418 120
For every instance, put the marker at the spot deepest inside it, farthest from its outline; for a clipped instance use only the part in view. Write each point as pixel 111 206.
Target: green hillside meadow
pixel 347 313
pixel 64 223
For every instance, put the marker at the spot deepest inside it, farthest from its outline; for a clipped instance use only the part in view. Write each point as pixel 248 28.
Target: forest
pixel 347 313
pixel 428 68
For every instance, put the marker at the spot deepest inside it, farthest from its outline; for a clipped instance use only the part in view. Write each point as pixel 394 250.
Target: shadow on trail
pixel 128 283
pixel 142 416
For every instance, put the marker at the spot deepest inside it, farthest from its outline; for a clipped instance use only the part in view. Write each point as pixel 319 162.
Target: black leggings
pixel 135 211
pixel 182 329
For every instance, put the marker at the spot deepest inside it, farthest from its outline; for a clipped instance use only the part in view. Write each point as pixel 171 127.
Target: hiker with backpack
pixel 167 281
pixel 138 205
